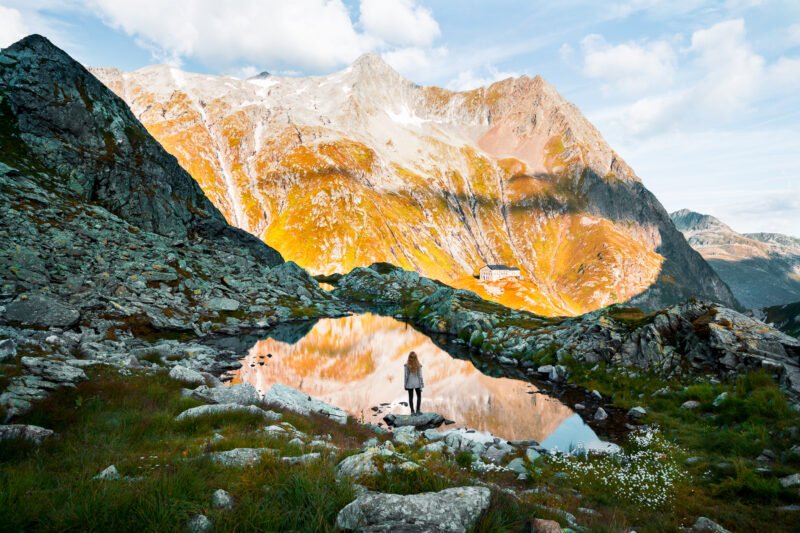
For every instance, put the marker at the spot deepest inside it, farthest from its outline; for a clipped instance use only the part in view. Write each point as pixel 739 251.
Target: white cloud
pixel 312 34
pixel 661 8
pixel 240 36
pixel 566 53
pixel 794 34
pixel 719 79
pixel 628 67
pixel 785 74
pixel 12 27
pixel 734 71
pixel 738 175
pixel 399 22
pixel 469 79
pixel 414 62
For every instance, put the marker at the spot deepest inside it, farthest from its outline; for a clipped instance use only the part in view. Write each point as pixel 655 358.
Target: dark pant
pixel 411 399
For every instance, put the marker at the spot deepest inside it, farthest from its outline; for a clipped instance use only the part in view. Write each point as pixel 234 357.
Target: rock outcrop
pixel 223 408
pixel 285 397
pixel 418 420
pixel 106 240
pixel 96 215
pixel 447 511
pixel 33 434
pixel 240 457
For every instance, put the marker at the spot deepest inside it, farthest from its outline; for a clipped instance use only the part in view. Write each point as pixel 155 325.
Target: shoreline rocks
pixel 420 421
pixel 290 399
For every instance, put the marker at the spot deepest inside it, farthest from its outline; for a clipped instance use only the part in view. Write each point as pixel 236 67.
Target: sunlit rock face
pixel 362 166
pixel 357 362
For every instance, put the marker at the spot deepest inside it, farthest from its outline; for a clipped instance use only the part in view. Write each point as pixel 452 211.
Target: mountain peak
pixel 261 76
pixel 36 42
pixel 688 220
pixel 59 116
pixel 373 65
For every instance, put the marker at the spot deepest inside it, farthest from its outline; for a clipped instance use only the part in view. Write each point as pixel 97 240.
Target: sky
pixel 701 98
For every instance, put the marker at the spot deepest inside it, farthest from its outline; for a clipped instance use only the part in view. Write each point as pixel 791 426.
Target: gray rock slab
pixel 42 310
pixel 448 511
pixel 187 375
pixel 243 394
pixel 223 408
pixel 707 525
pixel 302 459
pixel 419 421
pixel 53 371
pixel 240 457
pixel 33 434
pixel 286 397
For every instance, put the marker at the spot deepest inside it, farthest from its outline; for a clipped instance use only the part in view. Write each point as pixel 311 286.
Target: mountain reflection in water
pixel 356 363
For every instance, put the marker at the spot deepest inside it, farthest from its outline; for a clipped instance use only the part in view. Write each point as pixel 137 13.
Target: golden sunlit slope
pixel 363 166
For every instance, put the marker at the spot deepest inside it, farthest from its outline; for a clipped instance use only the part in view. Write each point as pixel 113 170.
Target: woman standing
pixel 414 381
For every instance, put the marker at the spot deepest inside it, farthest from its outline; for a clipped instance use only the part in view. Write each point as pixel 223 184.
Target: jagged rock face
pixel 762 269
pixel 361 166
pixel 72 125
pixel 101 228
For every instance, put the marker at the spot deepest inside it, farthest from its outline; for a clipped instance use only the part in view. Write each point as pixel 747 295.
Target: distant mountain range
pixel 363 165
pixel 762 269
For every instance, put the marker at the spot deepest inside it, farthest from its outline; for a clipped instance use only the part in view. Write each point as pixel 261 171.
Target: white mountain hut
pixel 498 272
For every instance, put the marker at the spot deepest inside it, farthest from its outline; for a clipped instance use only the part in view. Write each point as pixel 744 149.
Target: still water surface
pixel 356 363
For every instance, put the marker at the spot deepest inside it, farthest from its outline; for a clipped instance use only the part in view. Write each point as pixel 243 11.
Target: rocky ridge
pixel 762 269
pixel 106 243
pixel 362 165
pixel 693 337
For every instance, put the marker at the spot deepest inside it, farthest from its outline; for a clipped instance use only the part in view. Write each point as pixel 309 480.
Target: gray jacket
pixel 413 380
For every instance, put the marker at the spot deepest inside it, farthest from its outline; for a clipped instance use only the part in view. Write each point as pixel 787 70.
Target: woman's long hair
pixel 413 363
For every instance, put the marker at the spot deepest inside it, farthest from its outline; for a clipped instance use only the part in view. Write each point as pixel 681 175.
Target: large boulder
pixel 420 420
pixel 285 397
pixel 448 511
pixel 707 525
pixel 222 304
pixel 240 457
pixel 41 310
pixel 53 371
pixel 373 461
pixel 33 434
pixel 225 408
pixel 187 375
pixel 243 394
pixel 406 435
pixel 8 350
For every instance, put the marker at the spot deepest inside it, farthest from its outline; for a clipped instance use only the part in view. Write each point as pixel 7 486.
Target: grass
pixel 128 421
pixel 724 483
